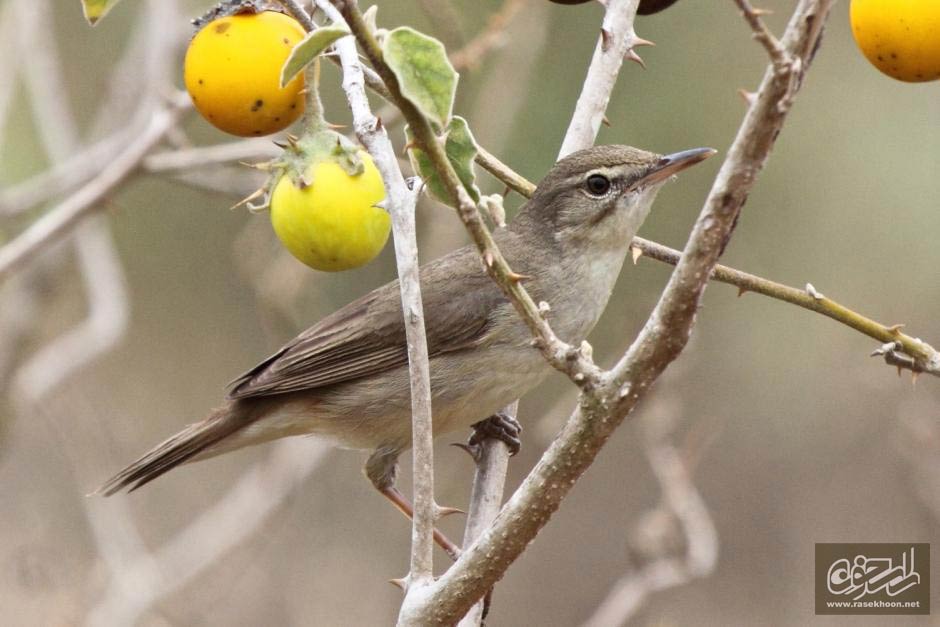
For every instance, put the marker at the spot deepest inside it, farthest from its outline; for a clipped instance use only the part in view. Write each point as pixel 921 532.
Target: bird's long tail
pixel 184 446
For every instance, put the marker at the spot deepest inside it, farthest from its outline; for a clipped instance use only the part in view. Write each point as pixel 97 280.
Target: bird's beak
pixel 673 164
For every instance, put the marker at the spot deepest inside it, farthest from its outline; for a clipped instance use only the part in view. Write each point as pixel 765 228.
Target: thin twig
pixel 927 359
pixel 400 202
pixel 486 498
pixel 617 38
pixel 763 34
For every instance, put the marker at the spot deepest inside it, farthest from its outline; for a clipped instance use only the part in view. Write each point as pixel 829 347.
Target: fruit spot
pixel 221 27
pixel 257 105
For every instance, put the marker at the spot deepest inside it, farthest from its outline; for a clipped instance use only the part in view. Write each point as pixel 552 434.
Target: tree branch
pixel 400 202
pixel 602 409
pixel 616 40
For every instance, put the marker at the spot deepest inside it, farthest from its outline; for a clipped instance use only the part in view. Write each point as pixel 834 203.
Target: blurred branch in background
pixel 675 542
pixel 98 263
pixel 140 579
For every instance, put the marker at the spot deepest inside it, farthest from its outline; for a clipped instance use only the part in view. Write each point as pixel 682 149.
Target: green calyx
pixel 301 155
pixel 299 160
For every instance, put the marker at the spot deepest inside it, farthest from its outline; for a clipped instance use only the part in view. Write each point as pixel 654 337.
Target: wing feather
pixel 367 336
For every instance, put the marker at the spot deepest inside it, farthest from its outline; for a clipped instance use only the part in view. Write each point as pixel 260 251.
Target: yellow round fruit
pixel 332 224
pixel 232 72
pixel 899 37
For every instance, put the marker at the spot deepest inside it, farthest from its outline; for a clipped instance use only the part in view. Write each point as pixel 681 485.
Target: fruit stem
pixel 313 113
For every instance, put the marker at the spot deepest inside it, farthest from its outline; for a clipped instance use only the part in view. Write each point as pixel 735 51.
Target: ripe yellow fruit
pixel 899 37
pixel 333 223
pixel 232 72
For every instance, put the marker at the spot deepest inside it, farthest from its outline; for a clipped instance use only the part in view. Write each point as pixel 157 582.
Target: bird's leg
pixel 500 426
pixel 404 506
pixel 381 468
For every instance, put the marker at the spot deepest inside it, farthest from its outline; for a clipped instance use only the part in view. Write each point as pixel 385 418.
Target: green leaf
pixel 97 9
pixel 424 72
pixel 307 50
pixel 461 150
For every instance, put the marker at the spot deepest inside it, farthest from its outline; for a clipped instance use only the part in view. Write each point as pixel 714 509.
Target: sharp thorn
pixel 605 121
pixel 401 584
pixel 639 41
pixel 742 291
pixel 747 96
pixel 636 252
pixel 515 277
pixel 633 56
pixel 442 511
pixel 247 199
pixel 472 451
pixel 895 329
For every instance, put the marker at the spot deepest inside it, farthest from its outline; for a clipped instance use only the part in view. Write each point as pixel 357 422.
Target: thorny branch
pixel 400 203
pixel 601 409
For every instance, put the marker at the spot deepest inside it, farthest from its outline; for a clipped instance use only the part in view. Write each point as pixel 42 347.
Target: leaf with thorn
pixel 425 75
pixel 309 49
pixel 97 9
pixel 461 150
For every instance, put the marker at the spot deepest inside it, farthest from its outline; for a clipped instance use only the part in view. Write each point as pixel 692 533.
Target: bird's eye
pixel 598 184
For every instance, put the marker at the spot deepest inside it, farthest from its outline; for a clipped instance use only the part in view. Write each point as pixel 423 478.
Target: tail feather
pixel 178 449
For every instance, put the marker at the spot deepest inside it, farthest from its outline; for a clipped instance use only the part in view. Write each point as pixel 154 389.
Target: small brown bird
pixel 345 379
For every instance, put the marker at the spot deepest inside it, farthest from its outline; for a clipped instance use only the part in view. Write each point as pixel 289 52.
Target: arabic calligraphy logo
pixel 865 575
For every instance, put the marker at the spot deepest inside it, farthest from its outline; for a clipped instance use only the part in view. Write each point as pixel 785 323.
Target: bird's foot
pixel 500 426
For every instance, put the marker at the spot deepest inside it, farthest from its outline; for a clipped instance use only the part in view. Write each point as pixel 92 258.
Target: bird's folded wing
pixel 367 336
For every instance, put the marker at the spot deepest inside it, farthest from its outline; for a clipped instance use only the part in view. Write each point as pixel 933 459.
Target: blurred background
pixel 131 328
